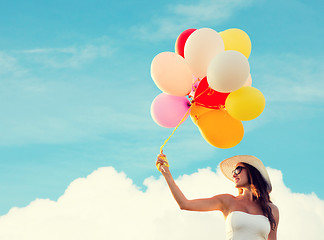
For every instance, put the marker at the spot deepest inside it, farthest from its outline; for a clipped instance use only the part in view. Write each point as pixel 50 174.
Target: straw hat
pixel 228 165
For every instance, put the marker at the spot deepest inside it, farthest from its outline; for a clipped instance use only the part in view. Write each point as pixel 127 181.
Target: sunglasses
pixel 237 170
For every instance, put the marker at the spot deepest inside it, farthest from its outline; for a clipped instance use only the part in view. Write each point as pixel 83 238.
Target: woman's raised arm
pixel 218 202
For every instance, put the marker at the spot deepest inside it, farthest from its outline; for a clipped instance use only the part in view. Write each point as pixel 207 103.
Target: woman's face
pixel 240 176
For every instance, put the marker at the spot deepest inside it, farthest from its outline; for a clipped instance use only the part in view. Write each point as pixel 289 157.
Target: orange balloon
pixel 220 129
pixel 196 111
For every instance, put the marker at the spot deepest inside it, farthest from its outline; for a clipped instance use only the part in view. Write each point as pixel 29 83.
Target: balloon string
pixel 184 117
pixel 211 91
pixel 182 120
pixel 220 106
pixel 194 87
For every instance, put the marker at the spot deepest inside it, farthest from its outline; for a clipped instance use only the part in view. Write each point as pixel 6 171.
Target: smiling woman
pixel 250 214
pixel 75 93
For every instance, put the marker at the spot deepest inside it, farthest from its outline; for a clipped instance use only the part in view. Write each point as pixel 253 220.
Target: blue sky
pixel 76 90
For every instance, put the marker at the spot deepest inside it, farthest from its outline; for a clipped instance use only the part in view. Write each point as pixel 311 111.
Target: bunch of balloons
pixel 207 77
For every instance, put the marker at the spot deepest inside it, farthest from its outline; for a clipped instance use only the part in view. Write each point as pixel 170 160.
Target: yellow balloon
pixel 196 111
pixel 220 129
pixel 238 40
pixel 245 104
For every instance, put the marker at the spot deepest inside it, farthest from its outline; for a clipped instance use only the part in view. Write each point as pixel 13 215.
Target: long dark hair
pixel 260 192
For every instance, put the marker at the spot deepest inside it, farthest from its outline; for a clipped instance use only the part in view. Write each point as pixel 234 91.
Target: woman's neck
pixel 246 193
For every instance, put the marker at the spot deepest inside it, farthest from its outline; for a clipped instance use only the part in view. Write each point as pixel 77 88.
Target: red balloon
pixel 207 97
pixel 181 41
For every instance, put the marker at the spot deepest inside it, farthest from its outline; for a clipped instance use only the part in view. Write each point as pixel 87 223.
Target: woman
pixel 250 215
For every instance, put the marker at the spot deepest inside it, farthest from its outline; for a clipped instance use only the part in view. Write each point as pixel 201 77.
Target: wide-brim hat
pixel 228 165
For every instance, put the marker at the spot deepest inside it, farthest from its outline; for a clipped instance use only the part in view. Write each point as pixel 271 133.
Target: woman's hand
pixel 162 164
pixel 204 204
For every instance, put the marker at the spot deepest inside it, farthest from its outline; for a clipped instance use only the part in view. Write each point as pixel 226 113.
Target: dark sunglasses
pixel 237 170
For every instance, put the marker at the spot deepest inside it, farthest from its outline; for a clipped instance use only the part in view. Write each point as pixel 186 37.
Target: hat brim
pixel 228 165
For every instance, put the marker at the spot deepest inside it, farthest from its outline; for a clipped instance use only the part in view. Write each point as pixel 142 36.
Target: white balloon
pixel 171 74
pixel 228 71
pixel 200 48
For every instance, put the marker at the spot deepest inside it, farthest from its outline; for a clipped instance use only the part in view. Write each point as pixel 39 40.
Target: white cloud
pixel 71 50
pixel 208 10
pixel 179 17
pixel 71 56
pixel 107 205
pixel 10 65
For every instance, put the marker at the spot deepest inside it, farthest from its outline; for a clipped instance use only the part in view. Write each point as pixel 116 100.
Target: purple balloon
pixel 168 110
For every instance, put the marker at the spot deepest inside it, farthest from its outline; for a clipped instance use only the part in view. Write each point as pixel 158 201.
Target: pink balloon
pixel 168 110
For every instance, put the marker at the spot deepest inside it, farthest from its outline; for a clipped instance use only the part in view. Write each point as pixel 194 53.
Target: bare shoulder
pixel 275 211
pixel 227 201
pixel 225 197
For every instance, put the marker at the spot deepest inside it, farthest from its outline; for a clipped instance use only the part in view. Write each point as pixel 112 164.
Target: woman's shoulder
pixel 273 207
pixel 227 201
pixel 226 197
pixel 275 211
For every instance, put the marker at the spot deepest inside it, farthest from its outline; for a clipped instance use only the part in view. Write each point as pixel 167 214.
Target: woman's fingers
pixel 161 159
pixel 161 155
pixel 161 162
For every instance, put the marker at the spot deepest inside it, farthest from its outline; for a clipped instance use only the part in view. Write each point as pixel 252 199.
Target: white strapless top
pixel 245 226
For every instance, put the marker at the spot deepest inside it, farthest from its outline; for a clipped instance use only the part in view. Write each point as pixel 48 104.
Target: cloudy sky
pixel 77 141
